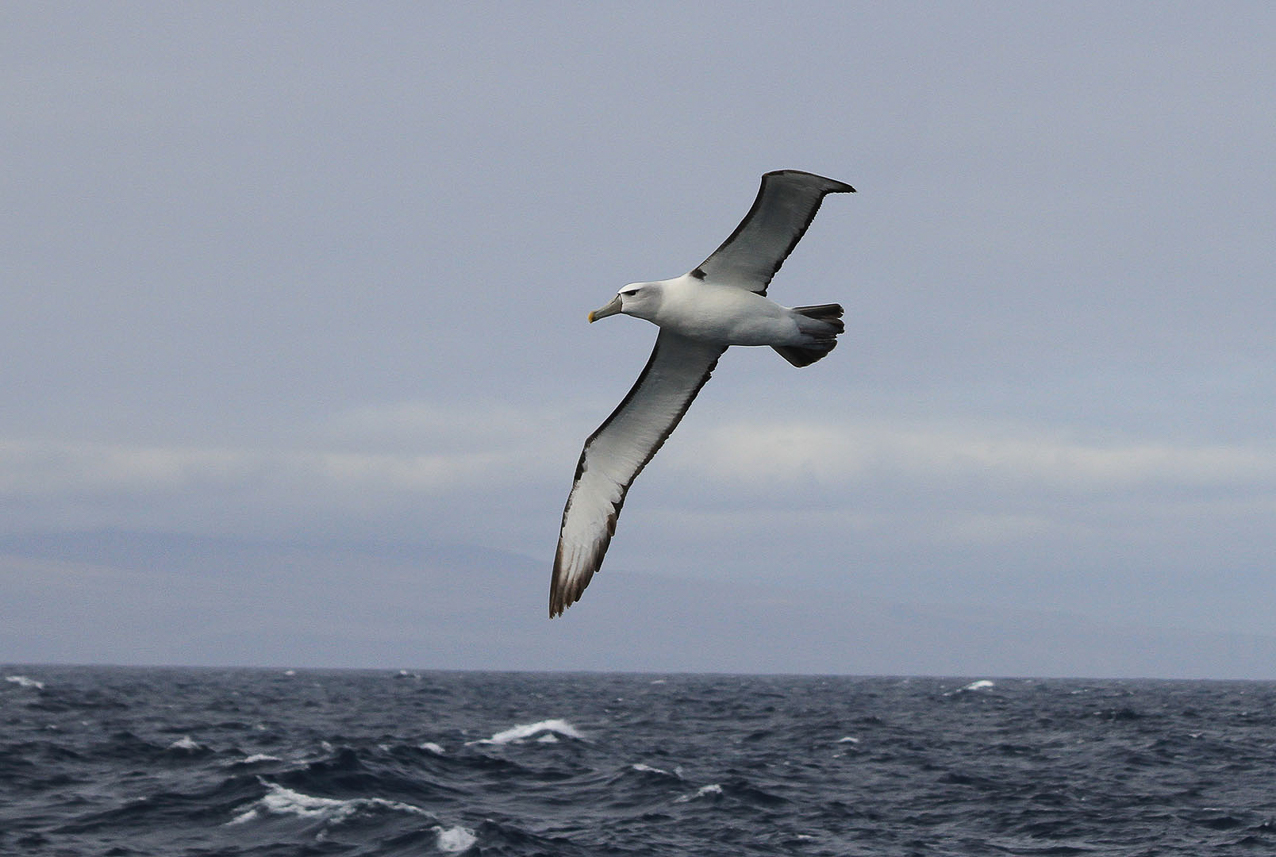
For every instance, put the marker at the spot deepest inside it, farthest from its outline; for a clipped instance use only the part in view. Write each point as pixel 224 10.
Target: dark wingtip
pixel 559 600
pixel 564 593
pixel 562 597
pixel 845 188
pixel 555 602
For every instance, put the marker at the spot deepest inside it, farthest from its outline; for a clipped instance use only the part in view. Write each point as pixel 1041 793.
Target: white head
pixel 641 300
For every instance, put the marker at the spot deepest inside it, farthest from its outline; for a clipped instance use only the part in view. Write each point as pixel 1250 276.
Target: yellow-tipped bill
pixel 612 308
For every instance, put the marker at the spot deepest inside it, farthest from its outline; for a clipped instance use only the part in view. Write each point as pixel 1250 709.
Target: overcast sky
pixel 320 271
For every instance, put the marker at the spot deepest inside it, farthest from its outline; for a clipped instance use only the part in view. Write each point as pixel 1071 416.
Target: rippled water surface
pixel 111 761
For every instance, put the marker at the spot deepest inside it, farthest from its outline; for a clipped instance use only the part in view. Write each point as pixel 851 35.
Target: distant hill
pixel 133 598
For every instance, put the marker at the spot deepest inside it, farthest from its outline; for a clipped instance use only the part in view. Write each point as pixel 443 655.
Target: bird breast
pixel 724 314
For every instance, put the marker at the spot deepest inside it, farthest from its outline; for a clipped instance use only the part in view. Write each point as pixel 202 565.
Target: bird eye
pixel 629 293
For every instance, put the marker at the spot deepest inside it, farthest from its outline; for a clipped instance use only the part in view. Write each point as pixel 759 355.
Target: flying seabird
pixel 720 302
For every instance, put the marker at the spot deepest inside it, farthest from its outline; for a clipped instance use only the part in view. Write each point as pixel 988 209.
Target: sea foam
pixel 711 790
pixel 284 801
pixel 454 840
pixel 544 728
pixel 982 684
pixel 23 681
pixel 259 757
pixel 186 744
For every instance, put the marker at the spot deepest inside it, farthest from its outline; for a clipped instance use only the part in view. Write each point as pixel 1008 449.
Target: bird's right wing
pixel 784 207
pixel 617 452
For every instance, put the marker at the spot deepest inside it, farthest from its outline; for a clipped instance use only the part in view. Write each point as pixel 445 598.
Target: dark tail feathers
pixel 823 334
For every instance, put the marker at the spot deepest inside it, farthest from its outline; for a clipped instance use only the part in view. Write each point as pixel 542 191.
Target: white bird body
pixel 713 312
pixel 719 303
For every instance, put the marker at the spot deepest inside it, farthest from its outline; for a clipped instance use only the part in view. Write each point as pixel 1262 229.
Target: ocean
pixel 169 761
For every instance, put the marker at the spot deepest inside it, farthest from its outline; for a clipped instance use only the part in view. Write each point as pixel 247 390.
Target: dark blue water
pixel 108 761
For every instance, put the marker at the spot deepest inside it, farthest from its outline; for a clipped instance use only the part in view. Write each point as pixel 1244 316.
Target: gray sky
pixel 311 272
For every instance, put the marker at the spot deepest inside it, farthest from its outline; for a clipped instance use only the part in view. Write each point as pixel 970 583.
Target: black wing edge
pixel 842 187
pixel 561 599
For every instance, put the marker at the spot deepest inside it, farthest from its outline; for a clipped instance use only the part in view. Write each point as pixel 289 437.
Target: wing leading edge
pixel 617 452
pixel 784 207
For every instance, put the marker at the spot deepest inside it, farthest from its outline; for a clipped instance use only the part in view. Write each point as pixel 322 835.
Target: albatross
pixel 721 302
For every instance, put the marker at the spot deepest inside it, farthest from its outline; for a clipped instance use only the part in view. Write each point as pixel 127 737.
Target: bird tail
pixel 823 333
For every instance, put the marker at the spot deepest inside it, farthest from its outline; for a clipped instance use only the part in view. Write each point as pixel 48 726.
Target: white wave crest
pixel 259 757
pixel 545 728
pixel 982 684
pixel 186 743
pixel 432 747
pixel 23 681
pixel 454 840
pixel 284 801
pixel 712 789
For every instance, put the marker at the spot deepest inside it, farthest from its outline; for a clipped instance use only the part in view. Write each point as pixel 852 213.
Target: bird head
pixel 636 299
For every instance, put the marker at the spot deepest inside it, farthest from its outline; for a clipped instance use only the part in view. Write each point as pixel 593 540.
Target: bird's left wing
pixel 618 451
pixel 784 207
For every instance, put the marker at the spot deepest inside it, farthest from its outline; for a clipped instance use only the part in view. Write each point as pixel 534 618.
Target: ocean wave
pixel 981 684
pixel 187 744
pixel 548 730
pixel 24 681
pixel 257 758
pixel 711 790
pixel 648 769
pixel 127 746
pixel 455 840
pixel 280 800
